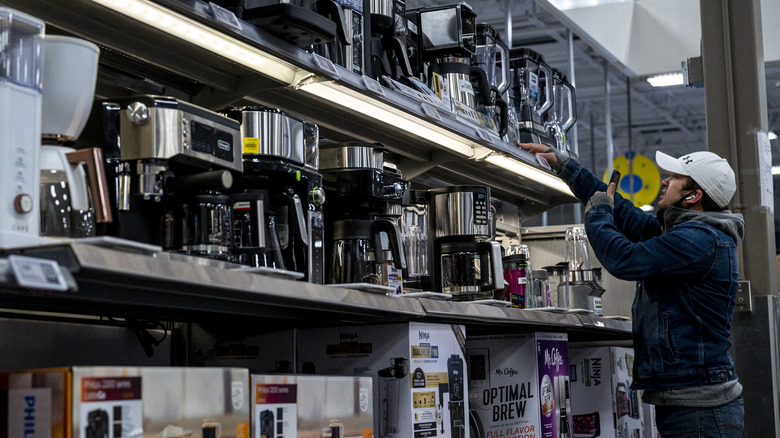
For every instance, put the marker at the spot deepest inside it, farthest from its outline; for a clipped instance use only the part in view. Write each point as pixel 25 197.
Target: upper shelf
pixel 114 282
pixel 217 65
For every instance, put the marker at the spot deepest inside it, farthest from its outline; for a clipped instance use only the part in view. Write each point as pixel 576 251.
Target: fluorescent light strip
pixel 210 39
pixel 775 170
pixel 530 172
pixel 384 113
pixel 666 80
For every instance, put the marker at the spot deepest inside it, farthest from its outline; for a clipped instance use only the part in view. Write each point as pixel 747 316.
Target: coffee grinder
pixel 466 262
pixel 281 158
pixel 365 199
pixel 531 95
pixel 20 128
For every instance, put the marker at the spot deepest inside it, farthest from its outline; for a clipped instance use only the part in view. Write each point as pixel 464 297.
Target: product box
pixel 649 429
pixel 603 403
pixel 418 371
pixel 312 406
pixel 119 402
pixel 519 386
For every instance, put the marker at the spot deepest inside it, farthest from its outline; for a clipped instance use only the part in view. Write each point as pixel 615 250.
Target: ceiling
pixel 643 118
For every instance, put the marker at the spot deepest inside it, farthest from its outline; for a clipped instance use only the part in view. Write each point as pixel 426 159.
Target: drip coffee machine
pixel 20 128
pixel 531 95
pixel 563 114
pixel 72 200
pixel 388 42
pixel 365 199
pixel 281 158
pixel 171 164
pixel 466 263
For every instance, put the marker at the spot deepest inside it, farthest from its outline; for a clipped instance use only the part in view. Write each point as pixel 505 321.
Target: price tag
pixel 431 112
pixel 373 85
pixel 225 16
pixel 327 65
pixel 543 162
pixel 37 273
pixel 484 135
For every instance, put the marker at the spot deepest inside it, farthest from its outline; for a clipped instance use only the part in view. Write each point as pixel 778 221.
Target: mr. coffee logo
pixel 553 358
pixel 507 372
pixel 347 336
pixel 424 336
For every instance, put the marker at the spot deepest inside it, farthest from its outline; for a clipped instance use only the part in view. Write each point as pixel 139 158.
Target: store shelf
pixel 122 284
pixel 439 146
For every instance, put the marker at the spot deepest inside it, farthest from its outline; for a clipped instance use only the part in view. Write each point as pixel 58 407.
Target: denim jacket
pixel 685 266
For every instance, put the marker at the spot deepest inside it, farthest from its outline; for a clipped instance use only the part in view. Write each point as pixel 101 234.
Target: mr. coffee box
pixel 418 371
pixel 118 402
pixel 603 403
pixel 519 385
pixel 312 406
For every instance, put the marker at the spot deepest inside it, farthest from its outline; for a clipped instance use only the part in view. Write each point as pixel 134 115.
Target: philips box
pixel 312 406
pixel 519 385
pixel 603 403
pixel 118 402
pixel 418 371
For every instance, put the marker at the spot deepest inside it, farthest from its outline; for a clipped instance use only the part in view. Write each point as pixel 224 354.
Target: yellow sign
pixel 644 181
pixel 251 145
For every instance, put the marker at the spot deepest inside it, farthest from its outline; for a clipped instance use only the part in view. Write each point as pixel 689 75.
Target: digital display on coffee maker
pixel 212 141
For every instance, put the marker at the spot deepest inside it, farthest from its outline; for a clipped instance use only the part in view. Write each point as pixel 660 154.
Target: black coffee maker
pixel 255 237
pixel 388 42
pixel 365 199
pixel 280 158
pixel 168 165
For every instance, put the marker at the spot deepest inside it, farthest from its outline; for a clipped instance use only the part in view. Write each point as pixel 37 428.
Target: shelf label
pixel 37 273
pixel 431 112
pixel 225 16
pixel 327 65
pixel 484 135
pixel 373 85
pixel 543 162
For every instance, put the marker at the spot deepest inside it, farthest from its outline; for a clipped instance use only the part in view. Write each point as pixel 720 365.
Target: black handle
pixel 503 115
pixel 489 280
pixel 394 237
pixel 479 75
pixel 398 46
pixel 332 10
pixel 213 180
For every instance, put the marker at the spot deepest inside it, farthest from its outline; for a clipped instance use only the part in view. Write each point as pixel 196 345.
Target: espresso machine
pixel 531 95
pixel 281 160
pixel 563 113
pixel 73 200
pixel 365 199
pixel 170 164
pixel 20 128
pixel 490 74
pixel 466 263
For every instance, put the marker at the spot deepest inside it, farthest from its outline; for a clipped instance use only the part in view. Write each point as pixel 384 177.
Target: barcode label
pixel 37 273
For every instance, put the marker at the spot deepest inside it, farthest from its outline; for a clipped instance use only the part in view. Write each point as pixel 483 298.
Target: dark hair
pixel 706 202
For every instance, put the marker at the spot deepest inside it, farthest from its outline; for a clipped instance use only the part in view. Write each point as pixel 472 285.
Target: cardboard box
pixel 519 385
pixel 418 371
pixel 603 403
pixel 649 429
pixel 118 402
pixel 307 406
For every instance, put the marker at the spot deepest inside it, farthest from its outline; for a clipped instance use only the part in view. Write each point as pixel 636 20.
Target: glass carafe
pixel 577 249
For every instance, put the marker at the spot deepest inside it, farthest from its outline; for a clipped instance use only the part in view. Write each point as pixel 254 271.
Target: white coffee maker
pixel 73 198
pixel 20 127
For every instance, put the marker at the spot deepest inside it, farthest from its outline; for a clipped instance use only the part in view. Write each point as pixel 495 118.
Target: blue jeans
pixel 721 421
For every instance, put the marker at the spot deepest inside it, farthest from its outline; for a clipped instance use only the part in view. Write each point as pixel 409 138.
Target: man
pixel 684 260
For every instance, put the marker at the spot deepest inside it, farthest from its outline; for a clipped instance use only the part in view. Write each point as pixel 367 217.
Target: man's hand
pixel 553 156
pixel 599 198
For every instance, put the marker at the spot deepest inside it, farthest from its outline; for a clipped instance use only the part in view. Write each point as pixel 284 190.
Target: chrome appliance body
pixel 355 53
pixel 462 211
pixel 273 134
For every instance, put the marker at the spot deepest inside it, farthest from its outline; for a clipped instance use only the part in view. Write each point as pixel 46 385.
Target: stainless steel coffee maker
pixel 466 262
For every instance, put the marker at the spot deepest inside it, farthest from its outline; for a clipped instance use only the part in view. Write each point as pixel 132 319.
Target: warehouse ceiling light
pixel 666 80
pixel 205 37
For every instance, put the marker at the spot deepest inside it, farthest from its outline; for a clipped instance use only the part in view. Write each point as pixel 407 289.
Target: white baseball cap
pixel 711 172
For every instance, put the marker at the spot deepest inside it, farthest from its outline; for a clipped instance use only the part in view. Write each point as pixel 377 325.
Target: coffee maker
pixel 388 43
pixel 466 263
pixel 72 200
pixel 365 199
pixel 20 128
pixel 531 95
pixel 169 166
pixel 281 159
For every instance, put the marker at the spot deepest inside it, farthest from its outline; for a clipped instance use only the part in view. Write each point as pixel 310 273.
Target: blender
pixel 531 95
pixel 563 114
pixel 491 74
pixel 20 127
pixel 585 289
pixel 72 200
